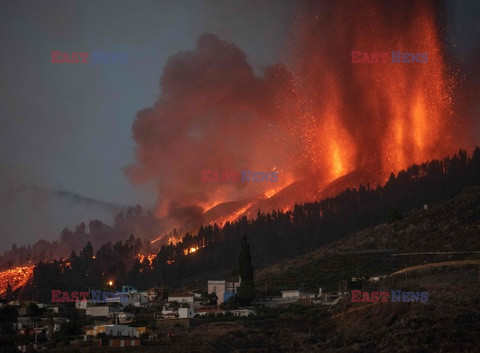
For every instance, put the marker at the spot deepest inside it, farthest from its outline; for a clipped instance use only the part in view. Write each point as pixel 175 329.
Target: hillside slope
pixel 446 231
pixel 434 250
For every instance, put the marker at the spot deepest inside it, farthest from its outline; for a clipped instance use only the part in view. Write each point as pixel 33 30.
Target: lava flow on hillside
pixel 322 122
pixel 16 277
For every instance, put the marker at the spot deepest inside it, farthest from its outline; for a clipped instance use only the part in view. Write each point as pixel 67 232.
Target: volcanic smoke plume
pixel 322 119
pixel 213 114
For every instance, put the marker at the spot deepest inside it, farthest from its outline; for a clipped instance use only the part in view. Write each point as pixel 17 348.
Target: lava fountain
pixel 375 117
pixel 321 119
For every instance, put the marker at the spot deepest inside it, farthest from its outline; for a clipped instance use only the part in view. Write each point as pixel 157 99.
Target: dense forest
pixel 272 236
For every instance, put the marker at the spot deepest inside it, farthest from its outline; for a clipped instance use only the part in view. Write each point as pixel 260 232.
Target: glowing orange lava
pixel 377 118
pixel 171 240
pixel 362 121
pixel 234 215
pixel 17 277
pixel 156 239
pixel 271 192
pixel 149 257
pixel 190 250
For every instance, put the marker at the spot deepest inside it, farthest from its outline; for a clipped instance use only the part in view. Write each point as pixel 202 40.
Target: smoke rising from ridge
pixel 215 114
pixel 321 119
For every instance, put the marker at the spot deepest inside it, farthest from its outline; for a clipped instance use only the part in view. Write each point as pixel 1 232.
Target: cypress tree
pixel 246 291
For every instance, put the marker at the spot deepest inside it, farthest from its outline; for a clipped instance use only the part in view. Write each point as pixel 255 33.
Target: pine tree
pixel 87 251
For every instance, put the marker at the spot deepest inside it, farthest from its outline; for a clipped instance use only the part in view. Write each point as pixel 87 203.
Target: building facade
pixel 223 289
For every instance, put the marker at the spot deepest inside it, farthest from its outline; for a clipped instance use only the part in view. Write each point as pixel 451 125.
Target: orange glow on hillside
pixel 149 257
pixel 190 250
pixel 171 240
pixel 235 215
pixel 271 192
pixel 17 277
pixel 377 118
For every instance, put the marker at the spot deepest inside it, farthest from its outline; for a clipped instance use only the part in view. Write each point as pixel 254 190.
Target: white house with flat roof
pixel 223 289
pixel 182 297
pixel 296 294
pixel 186 313
pixel 101 311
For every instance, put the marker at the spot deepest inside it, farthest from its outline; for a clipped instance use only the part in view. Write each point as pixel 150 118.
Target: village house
pixel 125 317
pixel 129 296
pixel 115 330
pixel 182 297
pixel 203 312
pixel 81 304
pixel 296 294
pixel 181 305
pixel 169 312
pixel 101 311
pixel 186 313
pixel 223 289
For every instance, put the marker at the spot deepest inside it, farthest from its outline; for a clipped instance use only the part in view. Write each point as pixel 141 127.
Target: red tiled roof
pixel 215 311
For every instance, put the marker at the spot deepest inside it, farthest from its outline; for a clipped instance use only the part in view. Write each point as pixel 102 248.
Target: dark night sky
pixel 68 126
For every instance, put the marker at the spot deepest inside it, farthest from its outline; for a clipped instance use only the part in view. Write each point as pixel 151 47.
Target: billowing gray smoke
pixel 213 113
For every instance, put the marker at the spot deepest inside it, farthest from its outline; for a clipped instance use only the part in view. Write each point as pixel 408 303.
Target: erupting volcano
pixel 321 121
pixel 375 118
